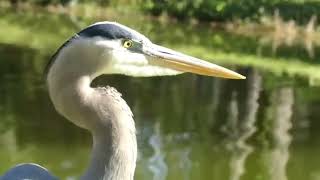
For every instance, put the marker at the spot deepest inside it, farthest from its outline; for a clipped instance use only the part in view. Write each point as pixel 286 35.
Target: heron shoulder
pixel 28 171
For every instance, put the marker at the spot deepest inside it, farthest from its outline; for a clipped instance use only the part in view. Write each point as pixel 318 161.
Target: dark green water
pixel 189 127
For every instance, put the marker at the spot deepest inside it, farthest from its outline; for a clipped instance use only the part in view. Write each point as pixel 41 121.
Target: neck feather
pixel 103 112
pixel 111 159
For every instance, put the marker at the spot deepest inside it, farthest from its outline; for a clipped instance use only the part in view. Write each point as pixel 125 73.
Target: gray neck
pixel 101 111
pixel 108 163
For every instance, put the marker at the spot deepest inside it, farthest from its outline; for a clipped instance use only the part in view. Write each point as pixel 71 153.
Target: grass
pixel 277 66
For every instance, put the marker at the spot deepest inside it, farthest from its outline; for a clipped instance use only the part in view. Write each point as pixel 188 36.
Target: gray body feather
pixel 28 171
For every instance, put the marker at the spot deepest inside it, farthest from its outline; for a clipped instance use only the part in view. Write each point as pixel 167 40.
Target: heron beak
pixel 184 63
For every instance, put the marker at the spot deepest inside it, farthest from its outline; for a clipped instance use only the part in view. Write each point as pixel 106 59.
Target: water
pixel 189 127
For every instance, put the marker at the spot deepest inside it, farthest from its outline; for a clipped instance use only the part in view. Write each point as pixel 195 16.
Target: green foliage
pixel 222 10
pixel 208 10
pixel 62 2
pixel 41 2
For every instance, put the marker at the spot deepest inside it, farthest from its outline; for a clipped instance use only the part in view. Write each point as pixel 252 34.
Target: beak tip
pixel 242 77
pixel 235 75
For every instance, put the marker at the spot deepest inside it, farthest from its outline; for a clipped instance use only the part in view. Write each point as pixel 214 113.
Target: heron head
pixel 117 49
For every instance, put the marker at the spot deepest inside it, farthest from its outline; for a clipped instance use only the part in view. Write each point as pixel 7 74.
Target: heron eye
pixel 127 43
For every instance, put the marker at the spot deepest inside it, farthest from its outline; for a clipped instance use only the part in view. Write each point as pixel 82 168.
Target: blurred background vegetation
pixel 263 128
pixel 261 31
pixel 205 10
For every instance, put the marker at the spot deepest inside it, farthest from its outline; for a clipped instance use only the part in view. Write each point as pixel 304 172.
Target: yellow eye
pixel 127 43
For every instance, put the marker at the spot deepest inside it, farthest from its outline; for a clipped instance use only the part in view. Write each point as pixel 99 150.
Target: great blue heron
pixel 108 48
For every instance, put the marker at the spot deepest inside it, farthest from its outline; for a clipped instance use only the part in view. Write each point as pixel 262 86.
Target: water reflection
pixel 190 127
pixel 241 122
pixel 156 162
pixel 283 99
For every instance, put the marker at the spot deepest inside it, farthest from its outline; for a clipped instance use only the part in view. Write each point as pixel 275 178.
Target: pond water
pixel 189 127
